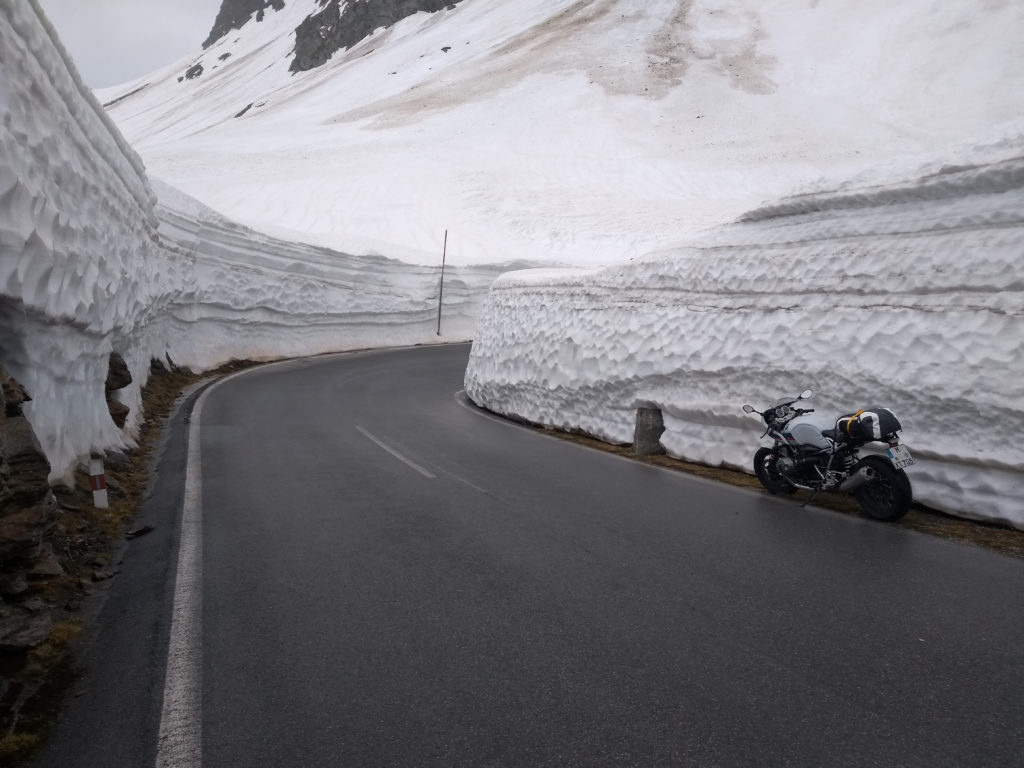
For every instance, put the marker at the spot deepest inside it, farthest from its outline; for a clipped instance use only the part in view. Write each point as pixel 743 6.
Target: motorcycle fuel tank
pixel 806 433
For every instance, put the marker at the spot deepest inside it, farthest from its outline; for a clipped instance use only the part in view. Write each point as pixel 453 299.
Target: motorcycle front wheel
pixel 888 495
pixel 768 473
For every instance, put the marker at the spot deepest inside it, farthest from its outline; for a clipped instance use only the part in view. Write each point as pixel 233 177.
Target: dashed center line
pixel 396 454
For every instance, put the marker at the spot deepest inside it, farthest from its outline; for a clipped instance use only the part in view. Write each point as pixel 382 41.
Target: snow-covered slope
pixel 568 130
pixel 92 261
pixel 909 296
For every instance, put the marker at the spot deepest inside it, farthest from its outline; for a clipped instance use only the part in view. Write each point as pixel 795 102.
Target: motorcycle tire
pixel 888 496
pixel 769 475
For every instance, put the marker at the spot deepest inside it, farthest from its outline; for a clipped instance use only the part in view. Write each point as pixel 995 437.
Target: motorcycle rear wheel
pixel 888 495
pixel 768 473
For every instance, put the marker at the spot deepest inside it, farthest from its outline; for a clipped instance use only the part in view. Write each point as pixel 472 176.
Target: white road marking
pixel 180 742
pixel 396 454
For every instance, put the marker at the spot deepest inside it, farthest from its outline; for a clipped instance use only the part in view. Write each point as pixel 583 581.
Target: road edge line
pixel 179 741
pixel 180 733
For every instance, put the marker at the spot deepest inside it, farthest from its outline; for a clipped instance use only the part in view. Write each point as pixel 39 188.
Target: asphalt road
pixel 391 578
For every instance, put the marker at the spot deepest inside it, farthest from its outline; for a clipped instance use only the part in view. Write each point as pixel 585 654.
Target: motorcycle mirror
pixel 806 394
pixel 748 409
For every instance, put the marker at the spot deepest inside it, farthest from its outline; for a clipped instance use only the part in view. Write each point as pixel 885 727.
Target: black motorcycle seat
pixel 829 433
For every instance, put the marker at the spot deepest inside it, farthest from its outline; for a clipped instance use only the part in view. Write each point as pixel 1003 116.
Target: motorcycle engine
pixel 812 470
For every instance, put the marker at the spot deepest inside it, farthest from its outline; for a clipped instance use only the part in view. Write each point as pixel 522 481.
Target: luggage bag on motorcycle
pixel 868 424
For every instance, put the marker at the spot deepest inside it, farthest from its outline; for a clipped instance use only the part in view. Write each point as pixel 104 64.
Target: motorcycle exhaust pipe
pixel 857 479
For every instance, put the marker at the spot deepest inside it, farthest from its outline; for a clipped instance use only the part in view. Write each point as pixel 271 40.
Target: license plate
pixel 899 456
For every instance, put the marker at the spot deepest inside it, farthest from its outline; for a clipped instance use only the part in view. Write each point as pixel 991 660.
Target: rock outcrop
pixel 28 509
pixel 339 26
pixel 118 377
pixel 234 14
pixel 27 506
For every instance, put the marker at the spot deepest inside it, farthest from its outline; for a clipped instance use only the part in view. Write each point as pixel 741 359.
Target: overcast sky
pixel 114 41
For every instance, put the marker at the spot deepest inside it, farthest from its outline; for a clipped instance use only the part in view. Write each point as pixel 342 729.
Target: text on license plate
pixel 899 456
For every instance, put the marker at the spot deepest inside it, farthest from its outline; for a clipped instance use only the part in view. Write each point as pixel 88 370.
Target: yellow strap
pixel 849 421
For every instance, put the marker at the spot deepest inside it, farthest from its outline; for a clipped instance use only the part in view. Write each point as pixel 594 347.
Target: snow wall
pixel 902 295
pixel 94 259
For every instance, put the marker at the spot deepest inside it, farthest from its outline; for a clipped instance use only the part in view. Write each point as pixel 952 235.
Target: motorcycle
pixel 804 456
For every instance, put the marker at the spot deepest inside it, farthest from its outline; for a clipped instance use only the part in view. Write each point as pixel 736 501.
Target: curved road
pixel 391 578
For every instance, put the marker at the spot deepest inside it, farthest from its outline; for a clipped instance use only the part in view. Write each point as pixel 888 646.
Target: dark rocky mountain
pixel 333 29
pixel 233 14
pixel 338 25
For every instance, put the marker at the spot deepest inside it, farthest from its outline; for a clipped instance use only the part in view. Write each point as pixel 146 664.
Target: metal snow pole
pixel 440 292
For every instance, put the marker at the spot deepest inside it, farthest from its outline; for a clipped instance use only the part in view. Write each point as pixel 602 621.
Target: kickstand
pixel 810 498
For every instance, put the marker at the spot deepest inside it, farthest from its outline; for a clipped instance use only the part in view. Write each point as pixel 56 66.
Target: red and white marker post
pixel 98 483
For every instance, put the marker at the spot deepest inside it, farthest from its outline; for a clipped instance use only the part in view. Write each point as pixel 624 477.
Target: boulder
pixel 118 375
pixel 12 394
pixel 46 566
pixel 647 436
pixel 27 467
pixel 21 532
pixel 28 509
pixel 116 460
pixel 23 631
pixel 13 584
pixel 118 412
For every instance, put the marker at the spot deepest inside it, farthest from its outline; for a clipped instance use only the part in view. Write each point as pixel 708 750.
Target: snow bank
pixel 907 295
pixel 77 234
pixel 251 295
pixel 92 261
